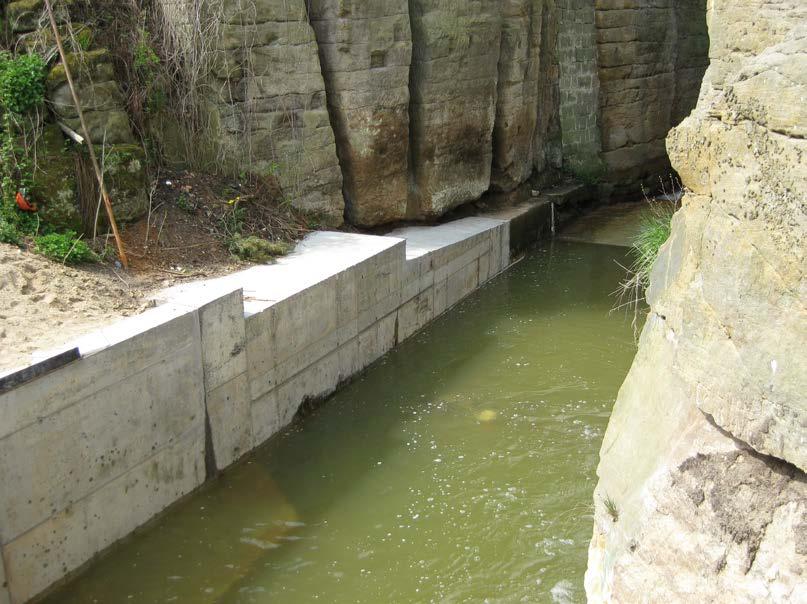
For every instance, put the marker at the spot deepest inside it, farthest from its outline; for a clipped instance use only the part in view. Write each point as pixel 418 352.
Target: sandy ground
pixel 44 304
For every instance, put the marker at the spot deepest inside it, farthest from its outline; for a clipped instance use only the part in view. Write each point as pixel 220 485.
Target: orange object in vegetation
pixel 23 204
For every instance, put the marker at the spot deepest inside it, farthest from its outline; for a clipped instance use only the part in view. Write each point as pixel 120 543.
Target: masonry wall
pixel 579 88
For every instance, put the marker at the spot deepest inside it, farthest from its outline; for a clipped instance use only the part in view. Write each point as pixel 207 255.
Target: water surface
pixel 460 468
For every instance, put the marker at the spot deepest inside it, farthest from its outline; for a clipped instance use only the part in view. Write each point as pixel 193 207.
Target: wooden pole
pixel 96 166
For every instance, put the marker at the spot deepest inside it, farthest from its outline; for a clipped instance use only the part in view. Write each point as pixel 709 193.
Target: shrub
pixel 9 233
pixel 64 247
pixel 22 82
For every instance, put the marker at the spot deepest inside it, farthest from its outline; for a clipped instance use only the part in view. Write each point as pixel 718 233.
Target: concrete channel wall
pixel 158 403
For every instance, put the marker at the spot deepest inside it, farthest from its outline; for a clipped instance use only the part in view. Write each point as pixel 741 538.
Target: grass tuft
pixel 610 508
pixel 654 231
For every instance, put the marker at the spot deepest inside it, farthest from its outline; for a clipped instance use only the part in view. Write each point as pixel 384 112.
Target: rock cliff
pixel 702 490
pixel 379 111
pixel 406 109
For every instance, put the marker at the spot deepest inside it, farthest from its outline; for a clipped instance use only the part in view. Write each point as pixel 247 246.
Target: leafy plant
pixel 144 58
pixel 64 247
pixel 185 204
pixel 22 82
pixel 9 233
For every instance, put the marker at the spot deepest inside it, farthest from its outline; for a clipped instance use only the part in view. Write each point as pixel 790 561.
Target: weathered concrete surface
pixel 161 401
pixel 365 50
pixel 704 458
pixel 94 449
pixel 224 364
pixel 453 88
pixel 652 57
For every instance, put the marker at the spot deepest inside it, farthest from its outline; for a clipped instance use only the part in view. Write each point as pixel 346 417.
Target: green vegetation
pixel 255 249
pixel 64 247
pixel 654 232
pixel 610 508
pixel 22 83
pixel 22 90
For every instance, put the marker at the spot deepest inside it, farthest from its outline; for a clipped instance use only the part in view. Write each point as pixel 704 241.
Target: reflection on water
pixel 458 469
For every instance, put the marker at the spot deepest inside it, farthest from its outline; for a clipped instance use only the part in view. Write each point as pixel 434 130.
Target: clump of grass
pixel 66 248
pixel 654 231
pixel 255 249
pixel 610 508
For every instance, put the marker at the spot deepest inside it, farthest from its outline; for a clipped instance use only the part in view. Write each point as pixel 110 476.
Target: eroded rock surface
pixel 365 50
pixel 704 458
pixel 453 87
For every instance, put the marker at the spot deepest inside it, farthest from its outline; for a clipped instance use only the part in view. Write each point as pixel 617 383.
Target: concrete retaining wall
pixel 159 402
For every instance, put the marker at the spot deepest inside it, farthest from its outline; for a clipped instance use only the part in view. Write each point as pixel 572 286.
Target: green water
pixel 459 468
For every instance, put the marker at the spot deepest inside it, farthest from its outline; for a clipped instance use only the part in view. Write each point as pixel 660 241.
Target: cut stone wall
pixel 579 89
pixel 453 87
pixel 271 102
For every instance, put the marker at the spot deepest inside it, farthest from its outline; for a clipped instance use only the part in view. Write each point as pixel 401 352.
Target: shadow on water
pixel 459 467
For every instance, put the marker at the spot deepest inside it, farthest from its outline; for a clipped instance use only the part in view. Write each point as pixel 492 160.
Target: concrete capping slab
pixel 237 356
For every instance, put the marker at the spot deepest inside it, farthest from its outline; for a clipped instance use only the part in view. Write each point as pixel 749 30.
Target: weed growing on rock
pixel 654 231
pixel 610 508
pixel 66 248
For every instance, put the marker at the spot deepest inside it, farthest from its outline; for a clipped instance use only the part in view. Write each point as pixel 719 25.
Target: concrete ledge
pixel 160 402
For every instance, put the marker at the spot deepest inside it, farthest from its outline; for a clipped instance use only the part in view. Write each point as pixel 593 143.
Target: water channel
pixel 460 468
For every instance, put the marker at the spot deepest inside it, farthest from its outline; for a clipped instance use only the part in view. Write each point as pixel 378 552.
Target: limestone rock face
pixel 705 455
pixel 652 57
pixel 365 50
pixel 453 88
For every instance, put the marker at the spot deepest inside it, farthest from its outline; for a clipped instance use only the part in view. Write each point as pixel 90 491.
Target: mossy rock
pixel 78 38
pixel 127 181
pixel 55 188
pixel 28 15
pixel 96 65
pixel 99 94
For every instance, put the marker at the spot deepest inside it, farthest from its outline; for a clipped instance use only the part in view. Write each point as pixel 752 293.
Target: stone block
pixel 223 332
pixel 265 419
pixel 462 283
pixel 317 380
